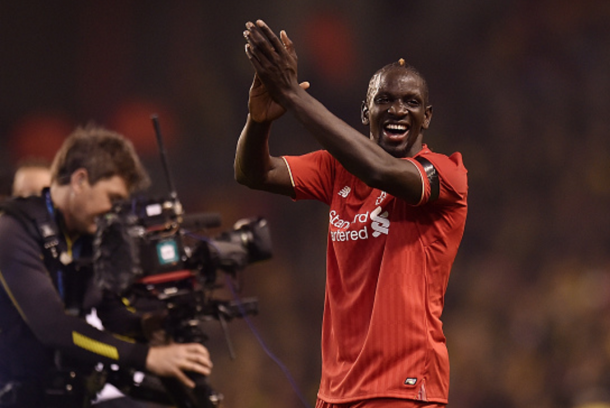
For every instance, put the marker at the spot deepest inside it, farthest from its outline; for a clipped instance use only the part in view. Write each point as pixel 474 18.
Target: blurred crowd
pixel 527 316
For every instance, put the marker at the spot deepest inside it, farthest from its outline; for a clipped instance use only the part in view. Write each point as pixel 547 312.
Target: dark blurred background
pixel 520 87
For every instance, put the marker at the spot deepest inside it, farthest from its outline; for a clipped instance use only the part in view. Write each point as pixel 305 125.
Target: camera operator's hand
pixel 174 359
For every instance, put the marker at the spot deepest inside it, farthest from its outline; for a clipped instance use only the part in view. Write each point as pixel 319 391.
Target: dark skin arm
pixel 254 166
pixel 275 63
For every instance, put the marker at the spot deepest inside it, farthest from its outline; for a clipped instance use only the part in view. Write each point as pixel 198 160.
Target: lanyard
pixel 60 274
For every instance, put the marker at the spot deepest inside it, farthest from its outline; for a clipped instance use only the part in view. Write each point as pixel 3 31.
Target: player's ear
pixel 427 116
pixel 364 113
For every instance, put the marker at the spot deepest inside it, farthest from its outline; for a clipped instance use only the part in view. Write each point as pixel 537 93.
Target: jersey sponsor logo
pixel 337 222
pixel 380 222
pixel 352 235
pixel 344 192
pixel 359 225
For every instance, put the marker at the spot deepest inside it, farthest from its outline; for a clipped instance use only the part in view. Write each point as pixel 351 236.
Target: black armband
pixel 432 175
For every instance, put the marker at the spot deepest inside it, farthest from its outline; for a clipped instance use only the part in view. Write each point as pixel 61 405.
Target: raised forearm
pixel 254 166
pixel 252 159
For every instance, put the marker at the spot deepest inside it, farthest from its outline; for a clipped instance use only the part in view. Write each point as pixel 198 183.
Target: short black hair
pixel 400 64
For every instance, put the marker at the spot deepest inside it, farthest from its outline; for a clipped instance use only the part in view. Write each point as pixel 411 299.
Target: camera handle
pixel 202 396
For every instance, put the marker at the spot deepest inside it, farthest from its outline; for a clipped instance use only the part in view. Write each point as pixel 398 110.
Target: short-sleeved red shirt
pixel 388 265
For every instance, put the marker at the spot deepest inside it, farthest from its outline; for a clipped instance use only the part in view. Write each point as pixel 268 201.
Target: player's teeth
pixel 397 127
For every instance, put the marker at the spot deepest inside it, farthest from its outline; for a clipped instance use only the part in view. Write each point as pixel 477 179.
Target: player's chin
pixel 398 150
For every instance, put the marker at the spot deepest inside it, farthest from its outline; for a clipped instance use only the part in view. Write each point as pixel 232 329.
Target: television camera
pixel 151 251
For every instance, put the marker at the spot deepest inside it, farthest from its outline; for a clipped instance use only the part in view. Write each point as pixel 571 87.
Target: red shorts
pixel 381 403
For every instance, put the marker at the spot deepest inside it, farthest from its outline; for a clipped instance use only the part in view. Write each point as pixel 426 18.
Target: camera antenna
pixel 163 153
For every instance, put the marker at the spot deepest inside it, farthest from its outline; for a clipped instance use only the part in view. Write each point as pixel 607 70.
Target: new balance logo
pixel 345 191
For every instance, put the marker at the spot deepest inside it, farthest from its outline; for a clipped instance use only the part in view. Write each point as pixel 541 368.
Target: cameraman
pixel 45 292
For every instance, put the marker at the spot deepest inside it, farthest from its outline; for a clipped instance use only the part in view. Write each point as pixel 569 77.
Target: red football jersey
pixel 388 265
